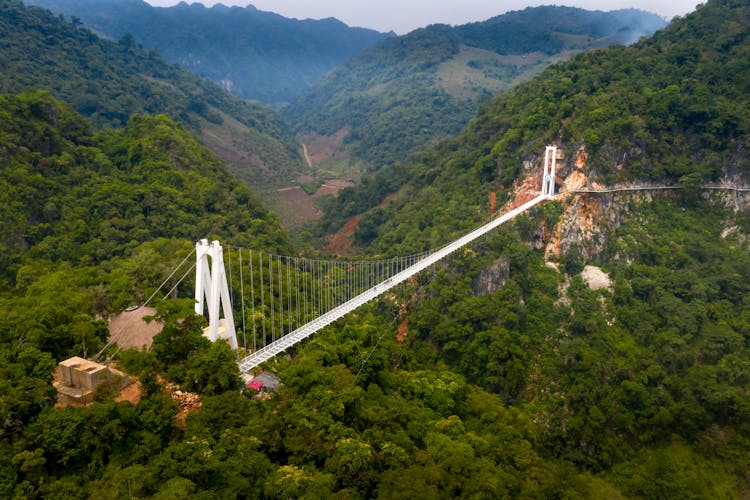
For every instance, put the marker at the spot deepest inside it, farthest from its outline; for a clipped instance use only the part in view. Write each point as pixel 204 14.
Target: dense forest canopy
pixel 531 384
pixel 257 55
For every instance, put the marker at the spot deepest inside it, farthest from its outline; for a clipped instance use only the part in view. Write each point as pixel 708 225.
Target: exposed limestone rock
pixel 584 216
pixel 576 180
pixel 595 278
pixel 580 226
pixel 492 278
pixel 728 231
pixel 739 201
pixel 588 220
pixel 581 157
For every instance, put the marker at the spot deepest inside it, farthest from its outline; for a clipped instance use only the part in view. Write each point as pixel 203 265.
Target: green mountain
pixel 403 93
pixel 257 55
pixel 109 82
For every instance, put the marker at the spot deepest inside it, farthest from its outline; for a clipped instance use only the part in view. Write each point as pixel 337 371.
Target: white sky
pixel 403 16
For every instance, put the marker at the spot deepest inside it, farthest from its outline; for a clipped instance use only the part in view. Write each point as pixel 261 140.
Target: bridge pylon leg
pixel 548 177
pixel 211 288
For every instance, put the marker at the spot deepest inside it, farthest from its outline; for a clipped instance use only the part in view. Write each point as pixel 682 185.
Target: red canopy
pixel 255 384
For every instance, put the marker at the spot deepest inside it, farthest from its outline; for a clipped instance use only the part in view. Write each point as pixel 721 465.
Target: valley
pixel 430 94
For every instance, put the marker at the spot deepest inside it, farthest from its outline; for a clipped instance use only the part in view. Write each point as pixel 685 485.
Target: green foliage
pixel 573 260
pixel 212 370
pixel 673 471
pixel 181 333
pixel 145 366
pixel 25 385
pixel 640 112
pixel 89 199
pixel 90 194
pixel 390 83
pixel 91 217
pixel 643 388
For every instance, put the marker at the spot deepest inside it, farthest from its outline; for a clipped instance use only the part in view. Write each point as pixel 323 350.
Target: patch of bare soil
pixel 129 329
pixel 307 156
pixel 342 242
pixel 403 330
pixel 332 187
pixel 233 141
pixel 132 393
pixel 298 205
pixel 321 149
pixel 301 203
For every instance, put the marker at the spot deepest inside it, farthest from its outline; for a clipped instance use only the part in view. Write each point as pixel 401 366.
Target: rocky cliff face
pixel 588 220
pixel 492 278
pixel 580 225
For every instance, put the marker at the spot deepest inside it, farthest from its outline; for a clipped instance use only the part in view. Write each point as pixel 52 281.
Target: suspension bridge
pixel 291 298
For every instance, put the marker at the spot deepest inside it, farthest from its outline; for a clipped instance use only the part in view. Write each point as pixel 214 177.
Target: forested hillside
pixel 402 93
pixel 257 55
pixel 92 222
pixel 643 382
pixel 109 81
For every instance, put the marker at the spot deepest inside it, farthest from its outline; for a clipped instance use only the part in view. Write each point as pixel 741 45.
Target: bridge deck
pixel 273 349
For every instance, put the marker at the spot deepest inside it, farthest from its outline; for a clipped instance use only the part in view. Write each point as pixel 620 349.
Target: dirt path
pixel 307 156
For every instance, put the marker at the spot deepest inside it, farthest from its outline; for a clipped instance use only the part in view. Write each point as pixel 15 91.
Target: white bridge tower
pixel 211 285
pixel 548 180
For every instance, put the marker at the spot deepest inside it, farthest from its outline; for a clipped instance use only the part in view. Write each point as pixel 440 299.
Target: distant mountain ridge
pixel 255 54
pixel 402 93
pixel 517 32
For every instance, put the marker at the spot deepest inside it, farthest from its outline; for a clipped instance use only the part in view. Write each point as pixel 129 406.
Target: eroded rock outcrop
pixel 492 278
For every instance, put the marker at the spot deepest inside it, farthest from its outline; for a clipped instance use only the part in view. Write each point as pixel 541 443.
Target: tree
pixel 26 386
pixel 181 334
pixel 212 370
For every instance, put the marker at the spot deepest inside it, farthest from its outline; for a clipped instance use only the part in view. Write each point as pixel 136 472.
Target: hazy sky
pixel 403 16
